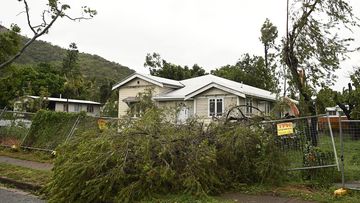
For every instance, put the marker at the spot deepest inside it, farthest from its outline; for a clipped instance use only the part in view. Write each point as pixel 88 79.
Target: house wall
pixel 59 106
pixel 202 102
pixel 133 88
pixel 173 106
pixel 230 100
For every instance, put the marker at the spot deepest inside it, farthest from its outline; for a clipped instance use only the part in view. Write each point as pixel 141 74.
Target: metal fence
pixel 14 127
pixel 308 142
pixel 17 130
pixel 349 145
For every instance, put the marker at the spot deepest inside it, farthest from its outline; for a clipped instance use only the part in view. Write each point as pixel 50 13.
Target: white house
pixel 205 96
pixel 67 105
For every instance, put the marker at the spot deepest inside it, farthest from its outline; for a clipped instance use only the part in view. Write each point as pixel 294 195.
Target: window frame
pixel 215 109
pixel 90 108
pixel 249 107
pixel 65 107
pixel 77 107
pixel 267 107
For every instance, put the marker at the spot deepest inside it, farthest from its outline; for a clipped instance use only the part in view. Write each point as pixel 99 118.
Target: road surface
pixel 16 196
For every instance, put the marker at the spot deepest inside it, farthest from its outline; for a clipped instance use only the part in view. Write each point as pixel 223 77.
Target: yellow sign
pixel 102 124
pixel 285 128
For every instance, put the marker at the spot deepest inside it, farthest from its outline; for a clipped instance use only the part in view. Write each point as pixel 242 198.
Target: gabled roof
pixel 66 100
pixel 151 79
pixel 195 86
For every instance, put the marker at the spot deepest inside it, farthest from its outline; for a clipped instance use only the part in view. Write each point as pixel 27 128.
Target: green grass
pixel 351 155
pixel 302 191
pixel 44 157
pixel 25 175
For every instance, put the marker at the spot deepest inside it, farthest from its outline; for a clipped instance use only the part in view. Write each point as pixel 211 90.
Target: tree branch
pixel 12 59
pixel 56 12
pixel 28 17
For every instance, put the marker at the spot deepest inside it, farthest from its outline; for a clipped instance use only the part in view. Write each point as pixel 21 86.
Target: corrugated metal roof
pixel 193 84
pixel 67 100
pixel 150 78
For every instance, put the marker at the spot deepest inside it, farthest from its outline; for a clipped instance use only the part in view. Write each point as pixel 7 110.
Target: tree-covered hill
pixel 91 66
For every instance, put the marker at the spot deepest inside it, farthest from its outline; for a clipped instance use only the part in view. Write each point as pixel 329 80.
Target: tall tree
pixel 160 67
pixel 76 86
pixel 49 16
pixel 269 33
pixel 70 65
pixel 312 48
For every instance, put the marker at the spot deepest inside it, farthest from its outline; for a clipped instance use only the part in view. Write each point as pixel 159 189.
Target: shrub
pixel 152 156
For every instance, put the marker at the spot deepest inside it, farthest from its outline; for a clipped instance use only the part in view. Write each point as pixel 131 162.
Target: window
pixel 216 107
pixel 249 105
pixel 135 110
pixel 65 107
pixel 332 113
pixel 267 108
pixel 90 108
pixel 76 107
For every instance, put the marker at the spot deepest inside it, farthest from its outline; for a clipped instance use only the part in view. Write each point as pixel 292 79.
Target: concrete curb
pixel 20 185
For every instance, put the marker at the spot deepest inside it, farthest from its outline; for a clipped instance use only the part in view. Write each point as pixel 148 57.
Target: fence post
pixel 341 154
pixel 333 142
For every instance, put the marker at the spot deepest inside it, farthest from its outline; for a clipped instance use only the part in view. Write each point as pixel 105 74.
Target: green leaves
pixel 151 156
pixel 162 68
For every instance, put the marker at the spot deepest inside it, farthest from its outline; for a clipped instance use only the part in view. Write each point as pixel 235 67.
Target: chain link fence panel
pixel 308 142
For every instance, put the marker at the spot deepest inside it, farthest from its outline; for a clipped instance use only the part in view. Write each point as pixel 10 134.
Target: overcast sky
pixel 211 33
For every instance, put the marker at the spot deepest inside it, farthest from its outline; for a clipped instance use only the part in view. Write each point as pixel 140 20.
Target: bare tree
pixel 54 11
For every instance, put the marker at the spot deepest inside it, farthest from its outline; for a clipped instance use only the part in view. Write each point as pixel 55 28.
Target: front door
pixel 183 114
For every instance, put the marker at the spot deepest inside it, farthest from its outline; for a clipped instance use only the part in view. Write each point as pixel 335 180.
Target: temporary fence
pixel 349 141
pixel 308 142
pixel 14 127
pixel 18 129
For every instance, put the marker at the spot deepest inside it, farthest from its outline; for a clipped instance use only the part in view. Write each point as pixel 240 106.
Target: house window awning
pixel 131 100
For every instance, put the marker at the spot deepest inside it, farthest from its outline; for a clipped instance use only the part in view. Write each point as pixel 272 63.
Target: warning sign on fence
pixel 102 124
pixel 285 128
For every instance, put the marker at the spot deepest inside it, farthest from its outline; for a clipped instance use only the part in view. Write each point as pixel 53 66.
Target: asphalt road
pixel 16 196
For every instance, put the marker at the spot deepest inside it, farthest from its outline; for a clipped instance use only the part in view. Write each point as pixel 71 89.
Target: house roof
pixel 151 79
pixel 66 100
pixel 335 108
pixel 194 86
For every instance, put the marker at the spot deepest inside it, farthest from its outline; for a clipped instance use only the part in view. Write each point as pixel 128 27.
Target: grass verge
pixel 25 175
pixel 44 157
pixel 302 191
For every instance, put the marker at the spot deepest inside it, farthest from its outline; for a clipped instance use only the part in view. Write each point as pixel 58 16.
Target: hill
pixel 91 66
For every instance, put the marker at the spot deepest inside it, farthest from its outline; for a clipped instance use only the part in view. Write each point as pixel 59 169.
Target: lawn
pixel 25 175
pixel 30 155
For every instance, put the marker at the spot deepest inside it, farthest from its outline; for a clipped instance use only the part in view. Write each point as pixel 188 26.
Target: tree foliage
pixel 313 48
pixel 152 156
pixel 76 86
pixel 325 98
pixel 269 33
pixel 349 99
pixel 160 67
pixel 9 42
pixel 42 79
pixel 250 70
